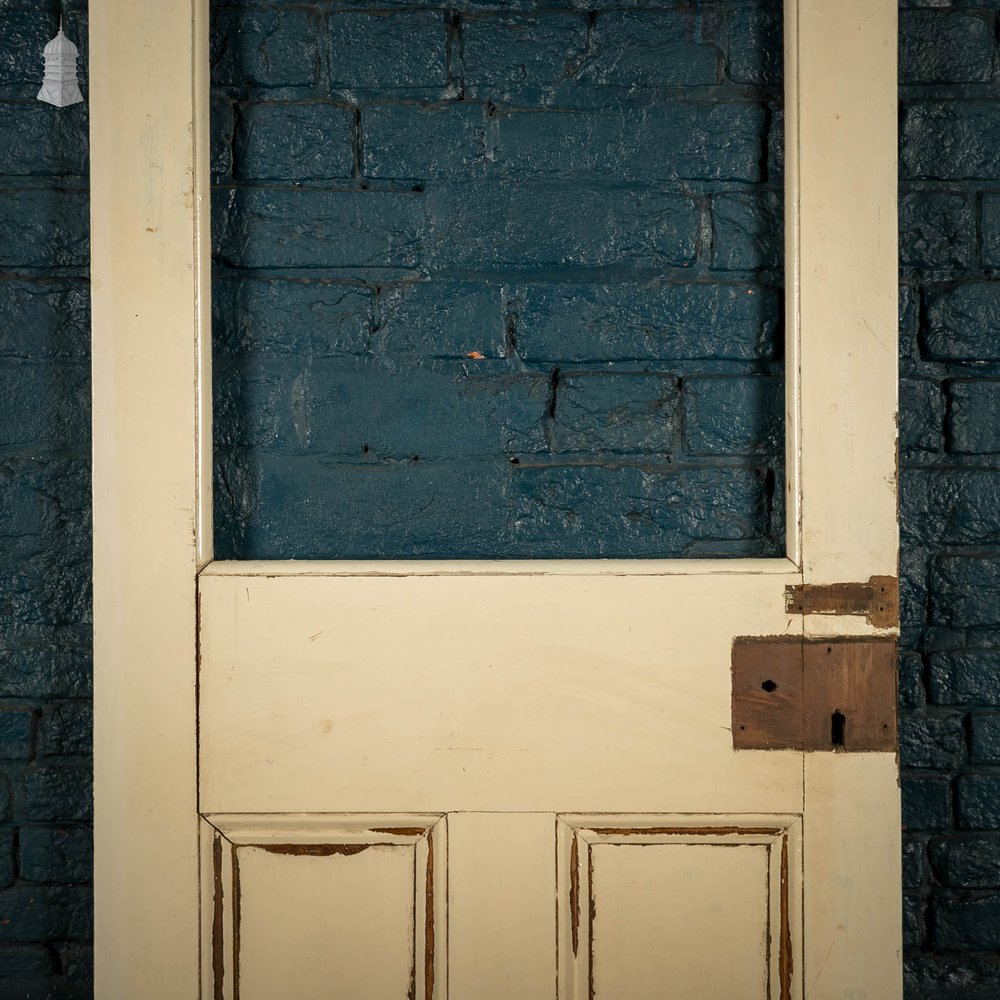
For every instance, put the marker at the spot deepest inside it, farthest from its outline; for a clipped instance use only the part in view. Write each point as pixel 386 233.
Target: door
pixel 573 779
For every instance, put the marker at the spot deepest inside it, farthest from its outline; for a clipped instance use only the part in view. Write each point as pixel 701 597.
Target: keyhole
pixel 769 686
pixel 838 726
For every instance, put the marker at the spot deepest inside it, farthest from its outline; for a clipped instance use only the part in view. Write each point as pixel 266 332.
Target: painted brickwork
pixel 45 616
pixel 950 360
pixel 950 443
pixel 498 280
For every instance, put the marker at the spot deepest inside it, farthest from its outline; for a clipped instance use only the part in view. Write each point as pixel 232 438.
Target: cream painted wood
pixel 148 169
pixel 710 904
pixel 482 693
pixel 854 863
pixel 415 690
pixel 501 904
pixel 845 288
pixel 325 905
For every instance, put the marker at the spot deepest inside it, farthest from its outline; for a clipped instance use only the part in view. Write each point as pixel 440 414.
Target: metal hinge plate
pixel 814 694
pixel 877 600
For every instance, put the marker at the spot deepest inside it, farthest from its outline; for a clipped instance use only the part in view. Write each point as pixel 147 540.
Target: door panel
pixel 515 692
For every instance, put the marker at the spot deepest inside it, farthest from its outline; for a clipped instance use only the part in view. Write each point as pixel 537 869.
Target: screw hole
pixel 769 686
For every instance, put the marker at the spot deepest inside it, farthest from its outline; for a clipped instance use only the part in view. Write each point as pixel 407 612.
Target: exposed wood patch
pixel 313 850
pixel 401 831
pixel 877 600
pixel 574 892
pixel 236 923
pixel 429 922
pixel 785 953
pixel 218 938
pixel 791 693
pixel 700 831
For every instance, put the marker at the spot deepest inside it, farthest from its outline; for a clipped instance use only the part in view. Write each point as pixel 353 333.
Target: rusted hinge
pixel 814 694
pixel 877 600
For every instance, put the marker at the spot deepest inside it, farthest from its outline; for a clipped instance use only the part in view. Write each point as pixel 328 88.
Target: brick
pixel 913 571
pixel 616 511
pixel 308 228
pixel 6 857
pixel 294 142
pixel 261 48
pixel 56 854
pixel 43 228
pixel 911 687
pixel 931 742
pixel 25 35
pixel 222 126
pixel 650 321
pixel 985 743
pixel 19 961
pixel 755 46
pixel 383 510
pixel 966 862
pixel 547 224
pixel 375 411
pixel 269 317
pixel 954 506
pixel 962 322
pixel 914 863
pixel 388 51
pixel 914 924
pixel 45 318
pixel 936 977
pixel 967 677
pixel 926 803
pixel 520 58
pixel 936 230
pixel 945 47
pixel 441 319
pixel 435 142
pixel 921 415
pixel 734 416
pixel 17 729
pixel 45 403
pixel 666 48
pixel 31 913
pixel 614 414
pixel 974 417
pixel 965 591
pixel 55 670
pixel 967 924
pixel 909 319
pixel 66 729
pixel 950 140
pixel 747 232
pixel 56 794
pixel 38 140
pixel 652 141
pixel 979 801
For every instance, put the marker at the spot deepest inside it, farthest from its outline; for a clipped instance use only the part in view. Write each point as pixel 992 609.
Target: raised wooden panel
pixel 652 903
pixel 321 906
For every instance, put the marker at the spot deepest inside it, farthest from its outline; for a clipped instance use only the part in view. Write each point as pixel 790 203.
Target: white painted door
pixel 491 780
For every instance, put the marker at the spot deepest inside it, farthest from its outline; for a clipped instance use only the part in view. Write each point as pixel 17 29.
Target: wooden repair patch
pixel 814 694
pixel 877 600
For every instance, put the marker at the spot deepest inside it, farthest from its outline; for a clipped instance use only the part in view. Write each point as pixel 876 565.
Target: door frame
pixel 151 283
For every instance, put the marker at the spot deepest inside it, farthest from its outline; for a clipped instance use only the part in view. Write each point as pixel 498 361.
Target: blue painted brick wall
pixel 950 498
pixel 45 742
pixel 498 281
